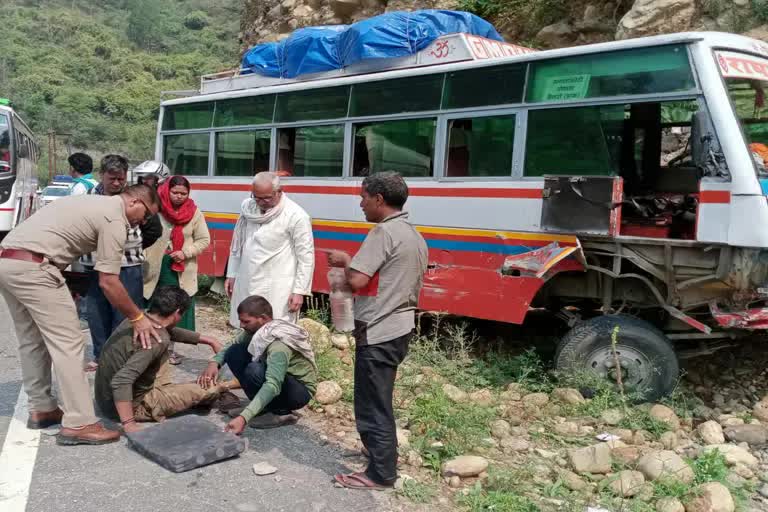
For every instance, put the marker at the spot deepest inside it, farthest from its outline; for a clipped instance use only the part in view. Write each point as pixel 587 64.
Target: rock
pixel 711 432
pixel 328 392
pixel 626 454
pixel 760 411
pixel 345 8
pixel 669 505
pixel 482 397
pixel 741 3
pixel 711 497
pixel 612 416
pixel 454 482
pixel 402 438
pixel 413 458
pixel 567 428
pixel 743 471
pixel 263 469
pixel 400 482
pixel 669 440
pixel 572 480
pixel 591 459
pixel 568 396
pixel 627 483
pixel 624 434
pixel 751 434
pixel 734 454
pixel 544 454
pixel 556 35
pixel 454 394
pixel 319 335
pixel 665 464
pixel 731 421
pixel 465 466
pixel 763 490
pixel 514 444
pixel 760 33
pixel 639 438
pixel 665 415
pixel 651 17
pixel 340 341
pixel 500 429
pixel 535 400
pixel 510 396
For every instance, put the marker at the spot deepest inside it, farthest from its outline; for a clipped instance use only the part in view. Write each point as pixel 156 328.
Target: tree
pixel 145 23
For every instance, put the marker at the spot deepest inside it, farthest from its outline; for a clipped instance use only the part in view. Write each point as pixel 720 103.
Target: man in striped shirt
pixel 103 317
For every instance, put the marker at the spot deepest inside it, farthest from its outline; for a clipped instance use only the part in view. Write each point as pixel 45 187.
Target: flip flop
pixel 359 481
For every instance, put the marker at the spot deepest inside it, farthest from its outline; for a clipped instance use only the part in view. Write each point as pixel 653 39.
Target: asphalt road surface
pixel 37 475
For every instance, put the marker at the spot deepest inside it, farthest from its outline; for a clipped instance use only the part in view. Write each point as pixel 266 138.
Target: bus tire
pixel 650 368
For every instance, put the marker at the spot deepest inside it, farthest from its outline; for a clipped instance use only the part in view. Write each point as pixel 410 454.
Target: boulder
pixel 535 400
pixel 669 505
pixel 328 392
pixel 345 8
pixel 760 411
pixel 319 335
pixel 669 440
pixel 750 434
pixel 340 341
pixel 482 397
pixel 734 454
pixel 665 464
pixel 567 396
pixel 500 429
pixel 558 34
pixel 454 394
pixel 514 444
pixel 666 415
pixel 465 466
pixel 627 483
pixel 591 459
pixel 626 454
pixel 711 497
pixel 760 33
pixel 651 17
pixel 572 480
pixel 567 428
pixel 711 432
pixel 612 416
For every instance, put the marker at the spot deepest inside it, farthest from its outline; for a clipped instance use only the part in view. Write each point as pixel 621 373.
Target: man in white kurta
pixel 272 252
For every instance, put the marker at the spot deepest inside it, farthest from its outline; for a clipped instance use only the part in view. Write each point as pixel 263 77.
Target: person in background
pixel 387 272
pixel 272 251
pixel 151 173
pixel 273 362
pixel 172 260
pixel 41 307
pixel 134 385
pixel 103 317
pixel 81 169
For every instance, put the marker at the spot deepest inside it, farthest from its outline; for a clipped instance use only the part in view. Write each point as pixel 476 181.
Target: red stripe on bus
pixel 6 209
pixel 505 193
pixel 714 197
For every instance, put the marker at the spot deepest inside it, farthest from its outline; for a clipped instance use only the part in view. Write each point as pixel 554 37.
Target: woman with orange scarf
pixel 173 258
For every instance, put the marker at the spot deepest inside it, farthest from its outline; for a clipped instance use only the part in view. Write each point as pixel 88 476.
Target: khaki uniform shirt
pixel 72 226
pixel 395 254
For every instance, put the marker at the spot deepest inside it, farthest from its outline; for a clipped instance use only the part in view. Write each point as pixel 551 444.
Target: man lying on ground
pixel 135 384
pixel 274 363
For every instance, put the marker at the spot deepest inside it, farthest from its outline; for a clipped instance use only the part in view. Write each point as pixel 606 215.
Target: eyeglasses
pixel 264 198
pixel 148 211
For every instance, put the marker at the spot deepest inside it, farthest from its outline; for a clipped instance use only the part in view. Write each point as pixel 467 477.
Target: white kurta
pixel 278 259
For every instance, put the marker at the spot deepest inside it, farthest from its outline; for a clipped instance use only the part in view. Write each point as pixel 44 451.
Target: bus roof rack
pixel 446 49
pixel 179 93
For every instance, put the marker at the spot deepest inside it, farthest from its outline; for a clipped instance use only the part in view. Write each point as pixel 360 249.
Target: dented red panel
pixel 540 261
pixel 751 319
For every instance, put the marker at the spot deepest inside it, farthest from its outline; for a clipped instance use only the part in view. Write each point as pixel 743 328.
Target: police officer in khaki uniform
pixel 47 327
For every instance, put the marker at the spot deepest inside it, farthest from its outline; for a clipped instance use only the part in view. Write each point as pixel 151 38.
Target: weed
pixel 760 10
pixel 329 366
pixel 417 492
pixel 319 310
pixel 482 8
pixel 710 467
pixel 480 500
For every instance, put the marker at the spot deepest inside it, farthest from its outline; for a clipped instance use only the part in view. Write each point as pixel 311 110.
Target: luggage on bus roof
pixel 394 34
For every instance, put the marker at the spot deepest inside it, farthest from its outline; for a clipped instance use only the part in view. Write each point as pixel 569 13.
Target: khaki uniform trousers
pixel 166 399
pixel 48 331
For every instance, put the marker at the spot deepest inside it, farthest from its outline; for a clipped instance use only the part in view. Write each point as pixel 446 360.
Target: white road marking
pixel 17 459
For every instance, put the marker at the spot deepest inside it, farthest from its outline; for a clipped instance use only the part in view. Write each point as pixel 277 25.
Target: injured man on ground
pixel 134 384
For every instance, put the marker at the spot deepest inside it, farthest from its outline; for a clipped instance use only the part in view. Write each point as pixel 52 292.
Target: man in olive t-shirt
pixel 387 274
pixel 43 312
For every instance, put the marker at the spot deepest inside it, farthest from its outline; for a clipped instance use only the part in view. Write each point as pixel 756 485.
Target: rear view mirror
pixel 705 150
pixel 22 152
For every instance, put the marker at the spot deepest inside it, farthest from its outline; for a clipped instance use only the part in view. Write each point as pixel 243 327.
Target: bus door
pixel 582 204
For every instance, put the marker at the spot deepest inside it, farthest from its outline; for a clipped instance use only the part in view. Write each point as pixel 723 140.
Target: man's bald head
pixel 141 203
pixel 145 193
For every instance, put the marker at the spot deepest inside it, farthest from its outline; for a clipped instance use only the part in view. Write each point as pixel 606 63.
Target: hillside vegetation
pixel 95 68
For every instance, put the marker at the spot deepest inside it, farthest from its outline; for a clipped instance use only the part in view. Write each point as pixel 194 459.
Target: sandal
pixel 359 481
pixel 174 358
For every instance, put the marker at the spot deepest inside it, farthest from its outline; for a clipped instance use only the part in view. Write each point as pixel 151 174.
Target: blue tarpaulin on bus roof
pixel 394 34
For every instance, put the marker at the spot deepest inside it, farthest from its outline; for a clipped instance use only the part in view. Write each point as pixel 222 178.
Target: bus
pixel 621 185
pixel 19 154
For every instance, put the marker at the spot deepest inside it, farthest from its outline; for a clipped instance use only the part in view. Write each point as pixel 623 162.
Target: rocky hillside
pixel 537 23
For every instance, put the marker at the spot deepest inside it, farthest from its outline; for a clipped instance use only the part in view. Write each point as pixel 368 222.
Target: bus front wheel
pixel 643 355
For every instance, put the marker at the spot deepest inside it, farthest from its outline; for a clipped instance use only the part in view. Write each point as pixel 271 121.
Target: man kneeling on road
pixel 274 363
pixel 135 384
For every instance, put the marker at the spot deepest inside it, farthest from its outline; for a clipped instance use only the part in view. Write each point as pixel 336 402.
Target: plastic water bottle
pixel 341 301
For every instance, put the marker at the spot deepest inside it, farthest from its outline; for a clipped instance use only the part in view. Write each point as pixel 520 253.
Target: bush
pixel 196 20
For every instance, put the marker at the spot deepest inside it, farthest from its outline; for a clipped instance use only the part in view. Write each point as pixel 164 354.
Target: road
pixel 113 477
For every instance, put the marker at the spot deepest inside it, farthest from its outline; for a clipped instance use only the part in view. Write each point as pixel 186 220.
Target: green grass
pixel 418 492
pixel 319 310
pixel 500 494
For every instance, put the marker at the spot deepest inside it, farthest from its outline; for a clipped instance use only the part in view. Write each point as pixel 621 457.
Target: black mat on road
pixel 185 443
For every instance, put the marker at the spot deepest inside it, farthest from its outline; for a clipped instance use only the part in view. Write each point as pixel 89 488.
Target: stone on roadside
pixel 413 458
pixel 403 438
pixel 750 434
pixel 626 454
pixel 500 429
pixel 734 454
pixel 465 466
pixel 591 459
pixel 743 471
pixel 535 400
pixel 567 428
pixel 328 392
pixel 669 505
pixel 711 432
pixel 340 341
pixel 760 411
pixel 454 394
pixel 711 497
pixel 669 440
pixel 400 482
pixel 572 480
pixel 627 483
pixel 514 444
pixel 263 469
pixel 567 396
pixel 319 335
pixel 665 465
pixel 454 482
pixel 612 416
pixel 665 415
pixel 481 397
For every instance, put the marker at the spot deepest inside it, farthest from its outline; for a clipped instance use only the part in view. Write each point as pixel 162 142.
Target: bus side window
pixel 406 146
pixel 481 146
pixel 312 151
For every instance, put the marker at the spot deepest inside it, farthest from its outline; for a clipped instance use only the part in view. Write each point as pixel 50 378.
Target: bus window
pixel 480 146
pixel 188 117
pixel 245 111
pixel 748 97
pixel 312 104
pixel 5 145
pixel 501 85
pixel 187 154
pixel 242 153
pixel 406 146
pixel 413 94
pixel 316 151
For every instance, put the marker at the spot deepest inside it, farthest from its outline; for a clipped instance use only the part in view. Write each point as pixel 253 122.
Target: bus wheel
pixel 647 362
